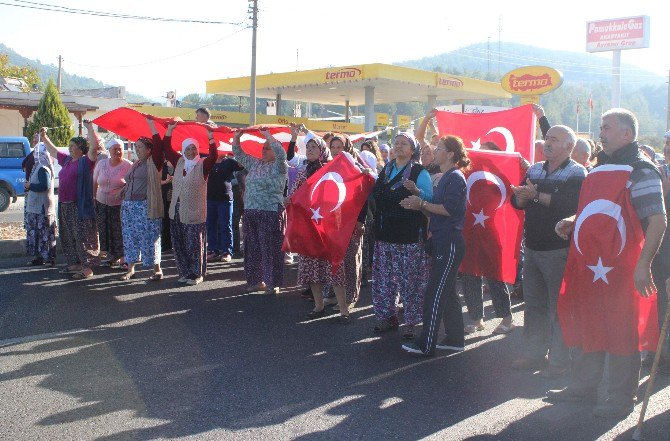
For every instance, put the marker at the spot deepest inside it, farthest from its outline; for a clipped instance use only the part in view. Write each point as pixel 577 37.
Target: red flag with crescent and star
pixel 322 213
pixel 599 308
pixel 512 130
pixel 493 227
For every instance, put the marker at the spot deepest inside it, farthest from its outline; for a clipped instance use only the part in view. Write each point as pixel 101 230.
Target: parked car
pixel 13 151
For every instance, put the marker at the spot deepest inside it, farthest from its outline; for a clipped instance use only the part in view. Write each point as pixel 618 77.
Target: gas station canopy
pixel 366 84
pixel 336 85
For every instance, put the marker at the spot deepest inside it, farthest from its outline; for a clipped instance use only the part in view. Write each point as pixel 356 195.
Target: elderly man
pixel 581 154
pixel 549 193
pixel 607 309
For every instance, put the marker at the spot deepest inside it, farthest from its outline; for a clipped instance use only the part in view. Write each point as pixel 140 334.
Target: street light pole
pixel 252 92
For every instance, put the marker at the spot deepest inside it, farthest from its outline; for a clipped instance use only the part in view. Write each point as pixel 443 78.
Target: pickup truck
pixel 12 152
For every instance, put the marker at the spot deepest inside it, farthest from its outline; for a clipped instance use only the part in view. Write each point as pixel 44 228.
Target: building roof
pixel 336 85
pixel 14 100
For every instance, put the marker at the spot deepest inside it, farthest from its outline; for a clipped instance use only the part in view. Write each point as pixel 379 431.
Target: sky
pixel 151 58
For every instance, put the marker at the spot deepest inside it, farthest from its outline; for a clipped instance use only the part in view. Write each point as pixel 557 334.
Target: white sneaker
pixel 195 281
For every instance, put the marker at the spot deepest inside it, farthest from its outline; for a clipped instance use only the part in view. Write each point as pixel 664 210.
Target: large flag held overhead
pixel 512 130
pixel 252 141
pixel 492 227
pixel 131 124
pixel 599 308
pixel 323 212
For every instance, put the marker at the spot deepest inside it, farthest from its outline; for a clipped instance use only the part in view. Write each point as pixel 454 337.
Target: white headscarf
pixel 112 142
pixel 369 159
pixel 41 155
pixel 189 164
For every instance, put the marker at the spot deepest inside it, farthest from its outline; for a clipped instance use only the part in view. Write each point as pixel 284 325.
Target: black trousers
pixel 238 209
pixel 441 302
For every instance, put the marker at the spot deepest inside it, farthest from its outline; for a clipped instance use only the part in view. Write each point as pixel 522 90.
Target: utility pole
pixel 488 56
pixel 60 66
pixel 252 92
pixel 499 38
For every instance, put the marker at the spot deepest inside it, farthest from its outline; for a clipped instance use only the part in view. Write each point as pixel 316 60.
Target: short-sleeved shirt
pixel 110 180
pixel 67 177
pixel 219 185
pixel 450 192
pixel 646 193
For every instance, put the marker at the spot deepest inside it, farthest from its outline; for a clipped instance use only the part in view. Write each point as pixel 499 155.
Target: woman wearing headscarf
pixel 400 265
pixel 264 220
pixel 447 246
pixel 41 209
pixel 312 271
pixel 76 207
pixel 142 207
pixel 108 180
pixel 353 259
pixel 188 208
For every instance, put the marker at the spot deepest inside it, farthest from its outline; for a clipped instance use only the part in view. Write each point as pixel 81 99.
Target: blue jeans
pixel 220 227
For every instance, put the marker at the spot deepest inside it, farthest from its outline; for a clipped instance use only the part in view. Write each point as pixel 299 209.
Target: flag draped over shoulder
pixel 599 308
pixel 493 227
pixel 323 212
pixel 512 130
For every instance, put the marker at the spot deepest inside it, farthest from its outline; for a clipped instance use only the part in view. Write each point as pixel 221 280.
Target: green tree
pixel 27 74
pixel 51 112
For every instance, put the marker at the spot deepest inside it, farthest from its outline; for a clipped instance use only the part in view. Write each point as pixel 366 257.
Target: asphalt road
pixel 109 360
pixel 13 213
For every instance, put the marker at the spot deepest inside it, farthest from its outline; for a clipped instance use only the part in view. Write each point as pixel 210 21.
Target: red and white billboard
pixel 617 34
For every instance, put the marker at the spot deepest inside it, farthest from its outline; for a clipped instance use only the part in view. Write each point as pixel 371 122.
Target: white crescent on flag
pixel 487 176
pixel 608 208
pixel 341 188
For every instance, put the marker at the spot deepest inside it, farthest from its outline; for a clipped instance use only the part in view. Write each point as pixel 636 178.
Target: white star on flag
pixel 600 271
pixel 476 144
pixel 316 214
pixel 480 218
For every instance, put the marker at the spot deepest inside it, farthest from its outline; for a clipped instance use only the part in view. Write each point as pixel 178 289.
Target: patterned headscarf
pixel 413 141
pixel 324 156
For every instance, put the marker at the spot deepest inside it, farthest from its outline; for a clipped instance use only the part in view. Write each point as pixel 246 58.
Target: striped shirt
pixel 646 193
pixel 563 184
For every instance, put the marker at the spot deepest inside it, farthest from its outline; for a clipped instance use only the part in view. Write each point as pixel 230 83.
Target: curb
pixel 12 248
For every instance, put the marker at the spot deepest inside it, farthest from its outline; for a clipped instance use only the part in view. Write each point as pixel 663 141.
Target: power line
pixel 64 9
pixel 161 59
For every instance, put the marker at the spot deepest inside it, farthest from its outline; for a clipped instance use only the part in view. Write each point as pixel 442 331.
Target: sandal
pixel 80 275
pixel 127 276
pixel 470 329
pixel 316 314
pixel 156 277
pixel 36 262
pixel 386 325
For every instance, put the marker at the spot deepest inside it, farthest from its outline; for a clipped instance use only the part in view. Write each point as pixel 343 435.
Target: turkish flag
pixel 492 227
pixel 512 130
pixel 599 308
pixel 252 141
pixel 322 213
pixel 131 124
pixel 199 131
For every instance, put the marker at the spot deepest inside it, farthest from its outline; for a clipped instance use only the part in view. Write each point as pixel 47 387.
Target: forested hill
pixel 643 92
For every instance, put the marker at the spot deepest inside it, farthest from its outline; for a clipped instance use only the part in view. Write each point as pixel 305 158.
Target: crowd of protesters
pixel 408 237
